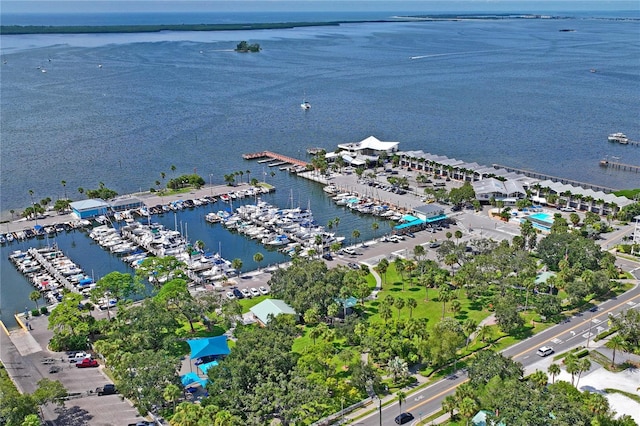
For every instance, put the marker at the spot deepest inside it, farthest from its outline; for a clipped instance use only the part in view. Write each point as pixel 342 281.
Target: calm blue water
pixel 514 92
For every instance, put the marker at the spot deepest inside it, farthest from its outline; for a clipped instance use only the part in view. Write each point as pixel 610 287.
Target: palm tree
pixel 402 397
pixel 258 257
pixel 484 333
pixel 583 365
pixel 314 333
pixel 385 311
pixel 64 185
pixel 375 226
pixel 399 304
pixel 444 296
pixel 81 191
pixel 449 405
pixel 355 234
pixel 398 368
pixel 616 342
pixel 597 403
pixel 382 267
pixel 468 407
pixel 171 393
pixel 469 326
pixel 411 304
pixel 571 362
pixel 237 265
pixel 34 296
pixel 539 379
pixel 554 370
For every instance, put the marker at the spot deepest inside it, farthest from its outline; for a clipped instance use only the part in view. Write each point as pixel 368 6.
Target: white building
pixel 357 153
pixel 508 191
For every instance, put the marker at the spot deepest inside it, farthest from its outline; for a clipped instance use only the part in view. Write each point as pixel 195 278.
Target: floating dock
pixel 274 156
pixel 537 175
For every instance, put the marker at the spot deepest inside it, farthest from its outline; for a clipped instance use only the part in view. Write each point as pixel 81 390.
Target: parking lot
pixel 28 360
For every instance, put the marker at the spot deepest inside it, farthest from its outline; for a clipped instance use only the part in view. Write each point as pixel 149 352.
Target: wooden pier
pixel 619 166
pixel 275 156
pixel 537 175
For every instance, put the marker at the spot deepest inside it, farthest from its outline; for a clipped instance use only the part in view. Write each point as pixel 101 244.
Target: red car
pixel 87 363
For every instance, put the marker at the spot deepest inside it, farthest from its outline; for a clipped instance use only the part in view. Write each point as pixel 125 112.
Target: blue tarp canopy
pixel 205 367
pixel 416 222
pixel 191 378
pixel 436 218
pixel 209 346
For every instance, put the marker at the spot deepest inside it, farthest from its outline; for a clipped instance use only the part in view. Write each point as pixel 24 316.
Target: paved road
pixel 575 332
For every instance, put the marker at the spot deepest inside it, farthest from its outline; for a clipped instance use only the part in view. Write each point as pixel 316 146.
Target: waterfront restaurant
pixel 370 146
pixel 86 209
pixel 121 204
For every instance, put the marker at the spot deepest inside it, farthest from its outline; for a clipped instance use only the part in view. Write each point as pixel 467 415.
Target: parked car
pixel 327 256
pixel 353 265
pixel 263 290
pixel 87 363
pixel 230 295
pixel 434 244
pixel 245 292
pixel 108 389
pixel 403 418
pixel 238 294
pixel 350 251
pixel 254 292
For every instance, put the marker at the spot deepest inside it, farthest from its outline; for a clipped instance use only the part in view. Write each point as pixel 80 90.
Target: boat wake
pixel 436 55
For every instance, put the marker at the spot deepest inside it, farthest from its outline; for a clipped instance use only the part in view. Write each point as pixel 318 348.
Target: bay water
pixel 124 108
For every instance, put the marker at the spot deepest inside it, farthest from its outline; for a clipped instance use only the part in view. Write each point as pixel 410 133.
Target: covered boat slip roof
pixel 559 188
pixel 493 186
pixel 518 178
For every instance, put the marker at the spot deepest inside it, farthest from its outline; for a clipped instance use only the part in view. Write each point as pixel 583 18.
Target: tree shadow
pixel 523 332
pixel 475 305
pixel 462 315
pixel 414 289
pixel 72 416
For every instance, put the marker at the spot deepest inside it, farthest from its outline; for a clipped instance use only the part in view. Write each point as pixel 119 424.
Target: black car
pixel 238 294
pixel 327 256
pixel 108 389
pixel 404 418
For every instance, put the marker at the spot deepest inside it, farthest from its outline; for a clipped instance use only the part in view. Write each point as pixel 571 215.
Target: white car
pixel 230 295
pixel 245 292
pixel 263 290
pixel 254 292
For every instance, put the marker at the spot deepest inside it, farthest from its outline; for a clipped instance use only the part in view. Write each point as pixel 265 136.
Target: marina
pixel 50 271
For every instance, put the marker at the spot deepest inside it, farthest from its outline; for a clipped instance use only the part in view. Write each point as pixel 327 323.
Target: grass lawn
pixel 428 305
pixel 248 303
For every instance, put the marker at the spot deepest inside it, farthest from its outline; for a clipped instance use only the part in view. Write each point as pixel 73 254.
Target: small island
pixel 244 47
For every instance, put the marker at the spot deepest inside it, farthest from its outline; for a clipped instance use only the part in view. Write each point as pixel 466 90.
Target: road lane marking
pixel 577 325
pixel 428 400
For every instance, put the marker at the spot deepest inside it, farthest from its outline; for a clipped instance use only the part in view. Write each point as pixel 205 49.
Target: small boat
pixel 618 137
pixel 305 105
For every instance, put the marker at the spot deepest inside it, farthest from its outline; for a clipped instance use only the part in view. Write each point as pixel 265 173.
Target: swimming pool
pixel 544 217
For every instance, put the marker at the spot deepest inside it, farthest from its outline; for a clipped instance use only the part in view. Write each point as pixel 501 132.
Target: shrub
pixel 35 313
pixel 44 310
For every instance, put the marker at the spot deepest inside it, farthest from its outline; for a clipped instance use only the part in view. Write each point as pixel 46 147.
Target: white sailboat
pixel 305 104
